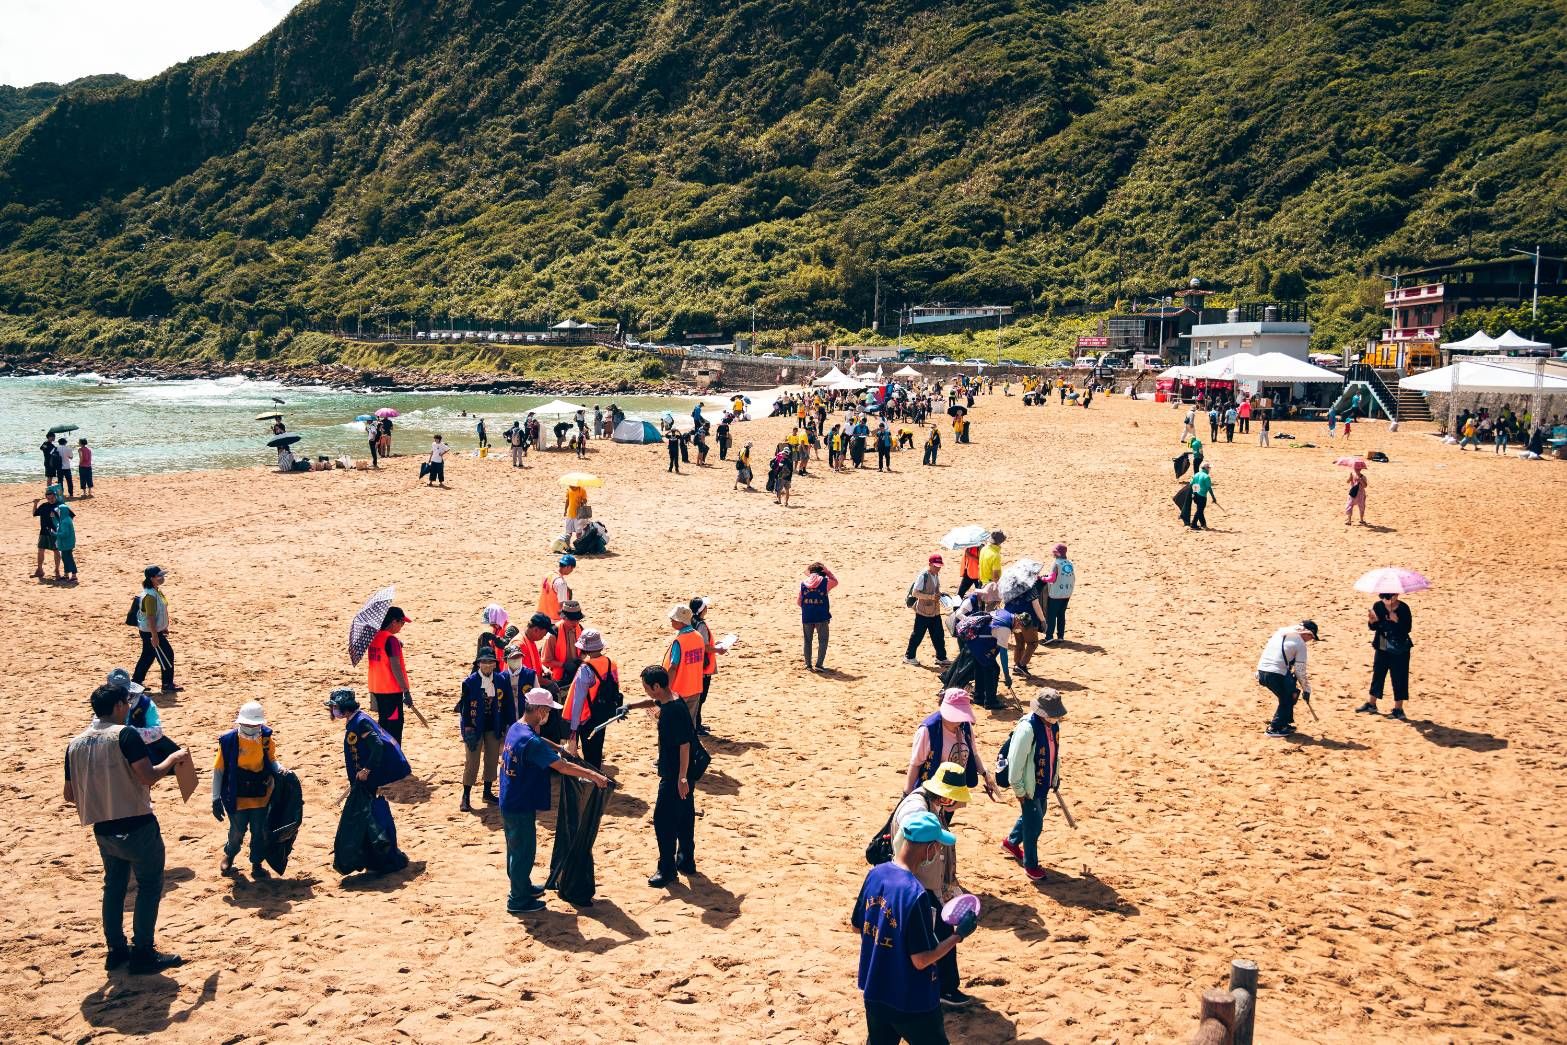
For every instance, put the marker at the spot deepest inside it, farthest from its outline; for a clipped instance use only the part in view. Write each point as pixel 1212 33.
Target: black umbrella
pixel 57 429
pixel 956 411
pixel 283 440
pixel 278 401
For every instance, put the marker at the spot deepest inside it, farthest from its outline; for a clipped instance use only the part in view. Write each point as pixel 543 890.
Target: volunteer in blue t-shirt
pixel 526 762
pixel 896 919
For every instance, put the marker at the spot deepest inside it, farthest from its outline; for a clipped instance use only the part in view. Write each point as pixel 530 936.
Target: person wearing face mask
pixel 941 795
pixel 899 946
pixel 371 759
pixel 1390 622
pixel 242 785
pixel 484 694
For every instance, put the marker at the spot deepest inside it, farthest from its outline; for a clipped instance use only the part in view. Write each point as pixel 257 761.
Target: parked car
pixel 941 360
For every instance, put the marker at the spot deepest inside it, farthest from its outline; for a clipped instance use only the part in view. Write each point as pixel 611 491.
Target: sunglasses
pixel 1384 598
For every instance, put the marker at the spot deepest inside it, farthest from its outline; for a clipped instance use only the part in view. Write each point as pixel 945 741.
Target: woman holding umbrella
pixel 1357 488
pixel 1390 622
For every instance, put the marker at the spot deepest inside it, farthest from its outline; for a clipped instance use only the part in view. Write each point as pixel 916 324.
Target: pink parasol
pixel 1392 579
pixel 1350 462
pixel 387 411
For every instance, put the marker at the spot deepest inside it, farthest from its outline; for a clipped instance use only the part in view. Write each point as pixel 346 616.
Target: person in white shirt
pixel 1282 670
pixel 66 458
pixel 437 471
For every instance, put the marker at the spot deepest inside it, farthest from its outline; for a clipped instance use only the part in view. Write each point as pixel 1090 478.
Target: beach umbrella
pixel 278 401
pixel 1350 462
pixel 283 440
pixel 364 417
pixel 269 417
pixel 965 537
pixel 368 621
pixel 387 411
pixel 1392 579
pixel 57 429
pixel 956 411
pixel 580 479
pixel 1018 579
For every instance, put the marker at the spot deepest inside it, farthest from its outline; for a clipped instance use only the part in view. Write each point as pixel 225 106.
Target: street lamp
pixel 1534 304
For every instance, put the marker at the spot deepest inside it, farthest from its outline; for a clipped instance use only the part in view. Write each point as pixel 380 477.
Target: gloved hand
pixel 217 809
pixel 965 926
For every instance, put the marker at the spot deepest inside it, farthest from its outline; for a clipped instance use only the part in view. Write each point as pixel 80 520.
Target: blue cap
pixel 1002 619
pixel 568 560
pixel 924 827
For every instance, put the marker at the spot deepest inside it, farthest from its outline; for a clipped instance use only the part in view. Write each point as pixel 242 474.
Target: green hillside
pixel 678 164
pixel 20 104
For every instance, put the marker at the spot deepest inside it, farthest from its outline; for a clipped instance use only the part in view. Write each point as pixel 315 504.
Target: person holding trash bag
pixel 242 785
pixel 1033 770
pixel 941 794
pixel 899 947
pixel 1282 670
pixel 366 835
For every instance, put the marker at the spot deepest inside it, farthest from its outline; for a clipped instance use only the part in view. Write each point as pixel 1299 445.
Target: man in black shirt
pixel 674 811
pixel 44 512
pixel 108 776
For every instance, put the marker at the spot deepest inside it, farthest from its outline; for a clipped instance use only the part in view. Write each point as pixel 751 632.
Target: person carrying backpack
pixel 1032 770
pixel 924 598
pixel 594 699
pixel 983 636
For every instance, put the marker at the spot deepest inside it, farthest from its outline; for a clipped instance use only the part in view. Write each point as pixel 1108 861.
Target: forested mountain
pixel 20 104
pixel 681 162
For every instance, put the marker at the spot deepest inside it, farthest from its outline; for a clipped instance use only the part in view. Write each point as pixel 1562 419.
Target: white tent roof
pixel 843 383
pixel 882 377
pixel 557 406
pixel 1176 372
pixel 1492 375
pixel 1512 339
pixel 1479 341
pixel 1270 366
pixel 572 324
pixel 907 371
pixel 828 378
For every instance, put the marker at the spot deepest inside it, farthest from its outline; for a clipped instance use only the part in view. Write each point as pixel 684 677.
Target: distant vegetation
pixel 20 104
pixel 678 165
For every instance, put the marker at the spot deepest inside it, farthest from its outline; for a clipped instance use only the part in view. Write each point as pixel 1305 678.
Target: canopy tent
pixel 1513 341
pixel 843 383
pixel 633 431
pixel 1479 341
pixel 761 404
pixel 557 406
pixel 830 377
pixel 1176 373
pixel 1516 376
pixel 1269 367
pixel 907 371
pixel 572 324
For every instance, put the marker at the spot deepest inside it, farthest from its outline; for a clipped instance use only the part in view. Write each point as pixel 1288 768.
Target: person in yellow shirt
pixel 576 500
pixel 242 785
pixel 990 558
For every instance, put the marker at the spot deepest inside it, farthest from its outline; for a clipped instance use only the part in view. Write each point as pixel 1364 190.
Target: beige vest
pixel 102 780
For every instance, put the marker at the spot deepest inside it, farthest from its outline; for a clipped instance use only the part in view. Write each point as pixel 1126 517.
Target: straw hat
pixel 949 783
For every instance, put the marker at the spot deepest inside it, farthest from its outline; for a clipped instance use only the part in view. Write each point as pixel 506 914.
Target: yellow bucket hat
pixel 949 783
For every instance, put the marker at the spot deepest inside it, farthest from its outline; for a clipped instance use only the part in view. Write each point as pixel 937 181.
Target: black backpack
pixel 132 616
pixel 1003 767
pixel 607 700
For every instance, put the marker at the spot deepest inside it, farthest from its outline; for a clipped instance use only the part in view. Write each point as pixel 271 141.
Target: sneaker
pixel 1012 849
pixel 955 999
pixel 1398 713
pixel 662 880
pixel 1035 874
pixel 912 660
pixel 116 957
pixel 147 960
pixel 1369 707
pixel 527 907
pixel 1271 732
pixel 258 872
pixel 943 663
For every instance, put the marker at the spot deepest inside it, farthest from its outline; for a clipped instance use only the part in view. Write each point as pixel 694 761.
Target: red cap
pixel 938 560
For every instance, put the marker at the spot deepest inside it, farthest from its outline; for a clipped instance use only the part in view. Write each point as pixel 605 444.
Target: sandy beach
pixel 1394 881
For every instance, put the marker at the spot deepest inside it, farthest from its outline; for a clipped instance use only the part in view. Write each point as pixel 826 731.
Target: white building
pixel 1217 340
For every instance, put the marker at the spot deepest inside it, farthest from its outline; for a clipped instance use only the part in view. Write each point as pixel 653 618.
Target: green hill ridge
pixel 676 165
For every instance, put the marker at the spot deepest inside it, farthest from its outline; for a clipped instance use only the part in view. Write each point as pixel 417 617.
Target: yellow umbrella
pixel 580 479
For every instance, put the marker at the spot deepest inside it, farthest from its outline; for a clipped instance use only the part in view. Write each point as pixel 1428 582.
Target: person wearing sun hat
pixel 947 735
pixel 560 649
pixel 940 794
pixel 903 939
pixel 684 659
pixel 242 775
pixel 924 598
pixel 594 698
pixel 1033 765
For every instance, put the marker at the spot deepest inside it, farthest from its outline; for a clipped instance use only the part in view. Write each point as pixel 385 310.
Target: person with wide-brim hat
pixel 1033 765
pixel 242 781
pixel 940 795
pixel 593 699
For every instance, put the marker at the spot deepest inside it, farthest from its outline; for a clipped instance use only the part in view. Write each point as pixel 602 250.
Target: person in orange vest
pixel 523 653
pixel 388 675
pixel 594 698
pixel 560 649
pixel 970 577
pixel 555 590
pixel 699 607
pixel 685 659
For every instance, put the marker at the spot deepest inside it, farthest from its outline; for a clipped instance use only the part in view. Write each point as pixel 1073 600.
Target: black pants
pixel 375 455
pixel 389 713
pixel 674 825
pixel 930 455
pixel 723 449
pixel 86 477
pixel 1055 618
pixel 139 852
pixel 1199 511
pixel 1284 687
pixel 987 674
pixel 707 684
pixel 438 472
pixel 885 1025
pixel 1229 433
pixel 1384 664
pixel 883 458
pixel 1245 425
pixel 674 459
pixel 966 583
pixel 1213 431
pixel 158 650
pixel 931 626
pixel 65 478
pixel 593 749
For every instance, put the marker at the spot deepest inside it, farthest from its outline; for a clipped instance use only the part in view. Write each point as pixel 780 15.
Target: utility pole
pixel 876 308
pixel 1534 304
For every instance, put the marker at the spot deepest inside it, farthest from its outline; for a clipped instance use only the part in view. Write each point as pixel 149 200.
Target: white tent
pixel 572 324
pixel 1516 376
pixel 830 377
pixel 1513 341
pixel 907 371
pixel 1176 373
pixel 1479 341
pixel 843 383
pixel 1270 367
pixel 557 406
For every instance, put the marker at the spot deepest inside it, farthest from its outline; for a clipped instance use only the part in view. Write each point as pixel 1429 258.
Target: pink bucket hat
pixel 955 706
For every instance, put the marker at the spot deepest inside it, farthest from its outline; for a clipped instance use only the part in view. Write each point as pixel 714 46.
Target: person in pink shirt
pixel 84 466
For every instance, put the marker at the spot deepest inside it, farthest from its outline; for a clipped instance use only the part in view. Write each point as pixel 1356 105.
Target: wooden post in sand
pixel 1218 1019
pixel 1243 988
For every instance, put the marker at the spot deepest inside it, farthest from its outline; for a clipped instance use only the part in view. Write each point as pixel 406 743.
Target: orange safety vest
pixel 971 563
pixel 381 678
pixel 602 668
pixel 532 661
pixel 549 602
pixel 709 656
pixel 564 645
pixel 685 677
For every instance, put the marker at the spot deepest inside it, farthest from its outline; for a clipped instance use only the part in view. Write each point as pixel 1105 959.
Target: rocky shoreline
pixel 334 375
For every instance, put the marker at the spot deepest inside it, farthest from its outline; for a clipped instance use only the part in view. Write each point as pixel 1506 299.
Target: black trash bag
pixel 285 812
pixel 366 836
pixel 962 671
pixel 1182 463
pixel 577 817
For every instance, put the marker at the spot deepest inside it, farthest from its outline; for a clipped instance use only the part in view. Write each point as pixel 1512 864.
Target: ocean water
pixel 144 427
